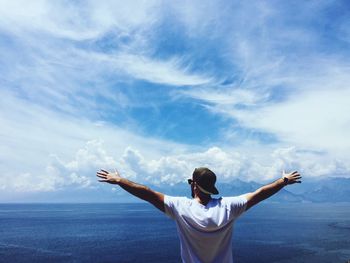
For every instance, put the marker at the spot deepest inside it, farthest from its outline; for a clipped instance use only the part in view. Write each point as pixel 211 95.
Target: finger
pixel 103 180
pixel 295 182
pixel 295 172
pixel 102 173
pixel 101 176
pixel 105 171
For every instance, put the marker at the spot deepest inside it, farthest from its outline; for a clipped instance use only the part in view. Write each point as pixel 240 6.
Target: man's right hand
pixel 138 190
pixel 293 177
pixel 107 177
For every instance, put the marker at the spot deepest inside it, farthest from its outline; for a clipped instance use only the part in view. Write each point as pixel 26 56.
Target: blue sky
pixel 155 89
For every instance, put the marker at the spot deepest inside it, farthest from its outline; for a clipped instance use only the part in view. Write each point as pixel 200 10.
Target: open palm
pixel 293 177
pixel 108 177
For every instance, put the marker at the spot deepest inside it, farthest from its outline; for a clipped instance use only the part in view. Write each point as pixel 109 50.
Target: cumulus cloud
pixel 171 169
pixel 79 171
pixel 229 165
pixel 59 174
pixel 40 148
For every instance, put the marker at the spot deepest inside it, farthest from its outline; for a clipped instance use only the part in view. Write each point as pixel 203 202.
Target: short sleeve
pixel 236 204
pixel 171 205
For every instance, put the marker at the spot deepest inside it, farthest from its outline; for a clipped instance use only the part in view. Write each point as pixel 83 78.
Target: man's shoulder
pixel 234 199
pixel 177 201
pixel 179 197
pixel 237 203
pixel 176 198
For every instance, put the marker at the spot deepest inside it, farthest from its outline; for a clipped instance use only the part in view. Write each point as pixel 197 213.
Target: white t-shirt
pixel 205 231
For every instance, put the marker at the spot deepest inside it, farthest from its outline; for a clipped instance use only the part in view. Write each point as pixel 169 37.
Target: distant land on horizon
pixel 331 189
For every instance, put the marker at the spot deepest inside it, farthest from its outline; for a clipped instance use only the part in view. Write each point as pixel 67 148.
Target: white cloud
pixel 144 163
pixel 74 21
pixel 170 72
pixel 226 96
pixel 314 119
pixel 48 64
pixel 31 135
pixel 45 35
pixel 47 61
pixel 286 80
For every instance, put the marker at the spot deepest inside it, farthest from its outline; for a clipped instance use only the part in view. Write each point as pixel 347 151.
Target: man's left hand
pixel 107 177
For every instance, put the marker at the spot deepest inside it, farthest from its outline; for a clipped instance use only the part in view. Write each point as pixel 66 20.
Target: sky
pixel 157 88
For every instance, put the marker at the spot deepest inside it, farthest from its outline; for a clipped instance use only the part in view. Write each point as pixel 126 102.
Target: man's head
pixel 203 180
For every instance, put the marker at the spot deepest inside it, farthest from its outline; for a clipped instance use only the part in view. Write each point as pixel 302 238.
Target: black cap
pixel 206 179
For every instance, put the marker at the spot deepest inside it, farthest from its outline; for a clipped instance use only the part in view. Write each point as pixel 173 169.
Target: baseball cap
pixel 205 179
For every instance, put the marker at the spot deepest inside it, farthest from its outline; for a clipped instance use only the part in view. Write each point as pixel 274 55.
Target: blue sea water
pixel 140 233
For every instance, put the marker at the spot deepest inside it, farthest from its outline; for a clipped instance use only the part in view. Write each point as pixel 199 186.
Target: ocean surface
pixel 140 233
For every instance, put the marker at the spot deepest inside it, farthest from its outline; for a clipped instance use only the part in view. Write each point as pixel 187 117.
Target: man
pixel 204 223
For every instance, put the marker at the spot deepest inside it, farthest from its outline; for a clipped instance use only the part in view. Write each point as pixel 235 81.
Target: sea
pixel 138 232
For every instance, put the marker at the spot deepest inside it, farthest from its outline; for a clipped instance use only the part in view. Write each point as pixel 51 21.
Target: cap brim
pixel 214 191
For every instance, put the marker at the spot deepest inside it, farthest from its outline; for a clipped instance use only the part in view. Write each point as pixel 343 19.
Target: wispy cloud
pixel 72 75
pixel 74 21
pixel 70 54
pixel 287 81
pixel 311 113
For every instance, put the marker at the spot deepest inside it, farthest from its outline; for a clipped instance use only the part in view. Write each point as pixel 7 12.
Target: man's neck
pixel 203 199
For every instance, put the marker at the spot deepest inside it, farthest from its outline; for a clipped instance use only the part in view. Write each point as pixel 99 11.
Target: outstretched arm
pixel 270 189
pixel 138 190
